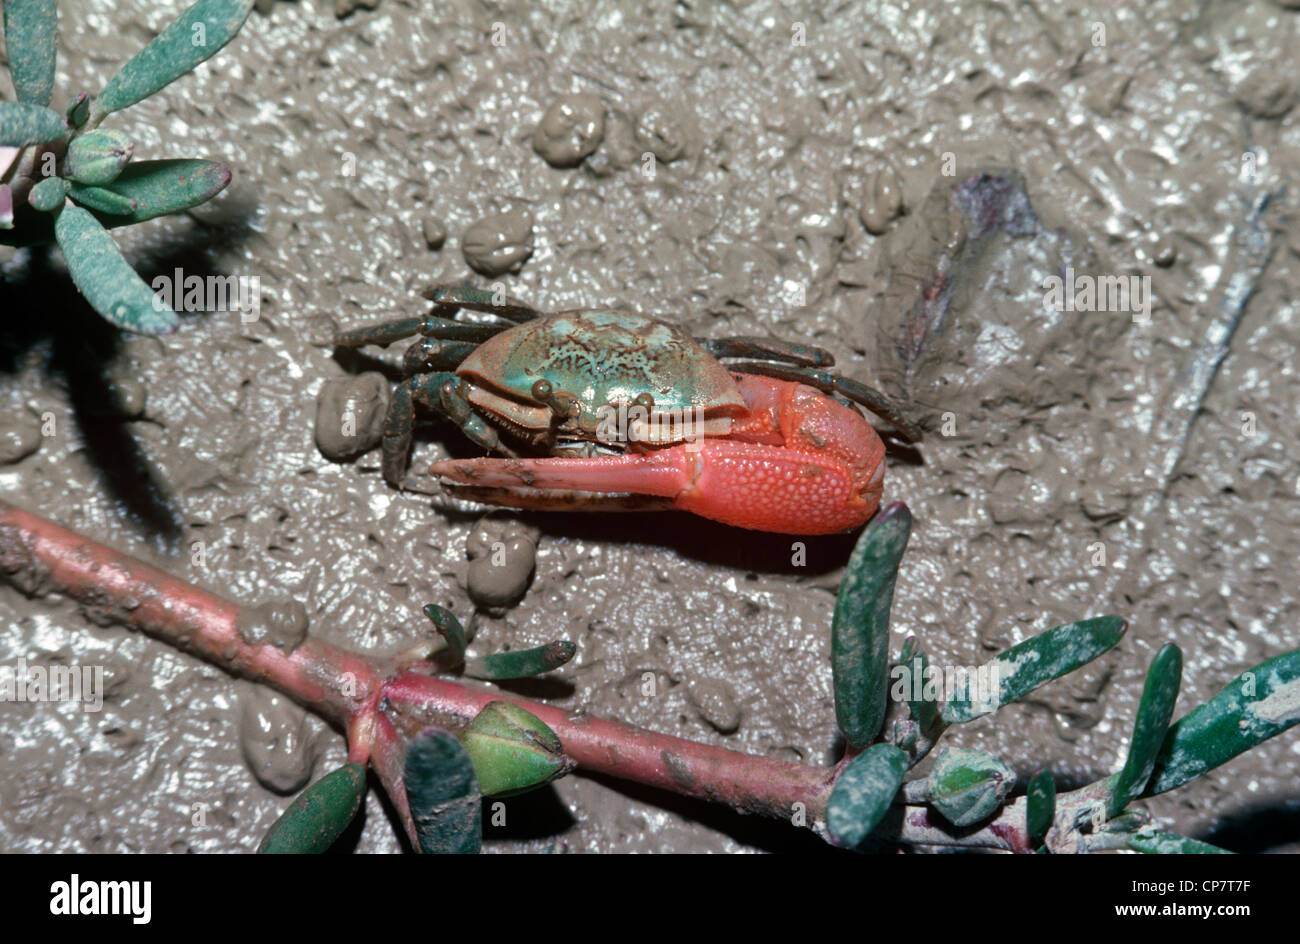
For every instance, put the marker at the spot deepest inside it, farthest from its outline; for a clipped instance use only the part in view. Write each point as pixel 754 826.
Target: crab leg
pixel 748 485
pixel 447 298
pixel 383 334
pixel 441 392
pixel 803 355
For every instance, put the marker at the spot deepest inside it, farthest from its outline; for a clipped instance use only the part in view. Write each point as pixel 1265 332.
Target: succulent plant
pixel 64 179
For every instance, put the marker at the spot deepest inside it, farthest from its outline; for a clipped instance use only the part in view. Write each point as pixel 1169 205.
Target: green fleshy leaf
pixel 863 793
pixel 521 664
pixel 450 629
pixel 319 815
pixel 23 124
pixel 1258 704
pixel 31 28
pixel 1040 807
pixel 443 795
pixel 102 200
pixel 97 157
pixel 1155 711
pixel 967 786
pixel 48 194
pixel 198 34
pixel 1158 843
pixel 860 630
pixel 170 186
pixel 513 751
pixel 1034 662
pixel 106 279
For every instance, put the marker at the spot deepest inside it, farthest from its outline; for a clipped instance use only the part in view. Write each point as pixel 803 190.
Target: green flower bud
pixel 79 110
pixel 47 196
pixel 97 157
pixel 967 786
pixel 512 751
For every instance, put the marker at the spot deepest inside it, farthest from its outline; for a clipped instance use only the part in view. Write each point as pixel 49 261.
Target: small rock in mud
pixel 350 414
pixel 882 201
pixel 570 130
pixel 19 438
pixel 280 623
pixel 499 243
pixel 715 702
pixel 343 8
pixel 502 555
pixel 662 133
pixel 276 740
pixel 1166 255
pixel 435 232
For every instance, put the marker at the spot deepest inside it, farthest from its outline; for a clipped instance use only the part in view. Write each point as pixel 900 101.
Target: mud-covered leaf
pixel 863 792
pixel 319 815
pixel 512 750
pixel 1040 807
pixel 106 279
pixel 1155 711
pixel 523 663
pixel 1158 843
pixel 1027 665
pixel 170 186
pixel 31 28
pixel 23 124
pixel 198 34
pixel 1255 706
pixel 967 786
pixel 443 794
pixel 860 629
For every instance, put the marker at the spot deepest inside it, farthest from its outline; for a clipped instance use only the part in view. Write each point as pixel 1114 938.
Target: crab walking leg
pixel 441 392
pixel 747 485
pixel 801 355
pixel 383 334
pixel 447 298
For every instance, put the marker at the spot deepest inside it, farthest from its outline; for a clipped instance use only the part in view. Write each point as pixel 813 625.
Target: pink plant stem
pixel 349 689
pixel 379 704
pixel 40 556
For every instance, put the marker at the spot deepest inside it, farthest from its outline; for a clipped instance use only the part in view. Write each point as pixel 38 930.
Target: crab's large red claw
pixel 749 485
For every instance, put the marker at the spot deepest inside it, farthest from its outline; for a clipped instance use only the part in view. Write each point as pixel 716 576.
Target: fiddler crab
pixel 609 409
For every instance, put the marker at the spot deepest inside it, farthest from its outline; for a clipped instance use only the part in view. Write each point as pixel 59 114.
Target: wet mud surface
pixel 702 164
